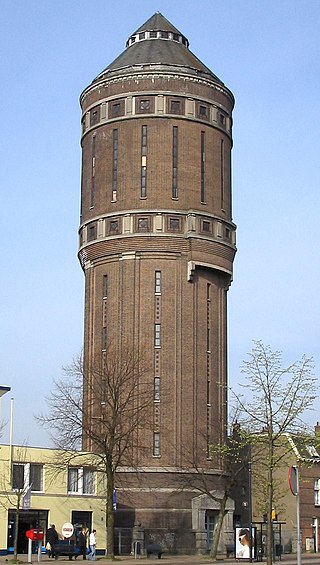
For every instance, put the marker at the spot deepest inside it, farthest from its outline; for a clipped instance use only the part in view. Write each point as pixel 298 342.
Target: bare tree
pixel 232 458
pixel 276 399
pixel 103 408
pixel 14 490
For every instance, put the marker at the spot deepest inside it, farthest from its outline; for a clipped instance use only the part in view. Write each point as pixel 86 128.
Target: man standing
pixel 51 539
pixel 92 544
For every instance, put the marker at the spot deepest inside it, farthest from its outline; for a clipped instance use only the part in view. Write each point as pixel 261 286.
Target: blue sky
pixel 268 54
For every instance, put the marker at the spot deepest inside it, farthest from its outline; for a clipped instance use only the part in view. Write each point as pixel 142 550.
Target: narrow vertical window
pixel 157 335
pixel 105 286
pixel 143 161
pixel 156 444
pixel 156 391
pixel 202 166
pixel 222 174
pixel 175 162
pixel 115 165
pixel 93 169
pixel 157 282
pixel 104 339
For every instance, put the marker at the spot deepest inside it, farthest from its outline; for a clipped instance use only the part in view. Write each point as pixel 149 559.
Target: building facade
pixel 47 491
pixel 156 244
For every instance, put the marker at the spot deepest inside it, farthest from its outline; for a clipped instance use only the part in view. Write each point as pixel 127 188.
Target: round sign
pixel 67 530
pixel 293 480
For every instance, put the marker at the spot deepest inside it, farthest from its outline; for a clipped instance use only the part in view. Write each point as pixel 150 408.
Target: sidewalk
pixel 287 559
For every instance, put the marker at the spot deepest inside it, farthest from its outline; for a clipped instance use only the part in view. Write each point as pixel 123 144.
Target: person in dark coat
pixel 83 541
pixel 51 539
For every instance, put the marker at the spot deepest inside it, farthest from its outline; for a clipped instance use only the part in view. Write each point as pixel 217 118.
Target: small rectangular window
pixel 104 338
pixel 36 477
pixel 105 286
pixel 18 476
pixel 157 282
pixel 156 393
pixel 157 335
pixel 156 444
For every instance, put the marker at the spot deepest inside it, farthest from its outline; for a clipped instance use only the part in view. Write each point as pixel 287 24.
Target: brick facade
pixel 156 197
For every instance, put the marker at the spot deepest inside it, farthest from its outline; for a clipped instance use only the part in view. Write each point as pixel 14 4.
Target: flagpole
pixel 10 439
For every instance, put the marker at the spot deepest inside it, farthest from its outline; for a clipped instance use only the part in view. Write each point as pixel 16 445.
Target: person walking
pixel 83 543
pixel 93 545
pixel 51 539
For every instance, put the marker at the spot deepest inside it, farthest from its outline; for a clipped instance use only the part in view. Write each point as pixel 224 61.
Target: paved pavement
pixel 307 559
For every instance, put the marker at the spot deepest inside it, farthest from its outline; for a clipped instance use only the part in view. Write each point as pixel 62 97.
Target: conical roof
pixel 158 42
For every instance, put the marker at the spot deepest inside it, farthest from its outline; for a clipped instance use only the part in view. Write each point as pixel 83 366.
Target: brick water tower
pixel 157 244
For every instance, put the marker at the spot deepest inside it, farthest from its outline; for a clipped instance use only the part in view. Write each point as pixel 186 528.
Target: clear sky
pixel 268 53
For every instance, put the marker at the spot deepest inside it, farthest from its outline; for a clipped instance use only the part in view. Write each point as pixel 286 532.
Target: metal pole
pixel 298 522
pixel 10 439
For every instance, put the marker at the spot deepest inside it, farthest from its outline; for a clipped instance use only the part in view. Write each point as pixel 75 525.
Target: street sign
pixel 67 530
pixel 293 479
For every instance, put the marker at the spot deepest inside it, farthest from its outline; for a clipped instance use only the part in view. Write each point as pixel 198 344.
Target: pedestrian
pixel 92 544
pixel 51 539
pixel 83 543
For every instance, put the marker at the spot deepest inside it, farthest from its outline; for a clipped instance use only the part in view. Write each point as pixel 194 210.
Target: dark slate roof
pixel 157 22
pixel 158 42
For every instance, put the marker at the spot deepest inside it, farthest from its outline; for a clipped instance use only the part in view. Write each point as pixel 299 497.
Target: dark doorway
pixel 27 519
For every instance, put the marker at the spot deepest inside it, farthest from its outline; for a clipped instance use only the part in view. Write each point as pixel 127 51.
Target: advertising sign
pixel 67 530
pixel 244 541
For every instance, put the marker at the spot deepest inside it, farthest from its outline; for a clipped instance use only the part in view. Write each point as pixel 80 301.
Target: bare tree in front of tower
pixel 275 401
pixel 232 457
pixel 102 408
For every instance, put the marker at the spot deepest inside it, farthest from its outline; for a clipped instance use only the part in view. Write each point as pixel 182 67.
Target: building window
pixel 93 170
pixel 206 226
pixel 203 111
pixel 157 335
pixel 81 480
pixel 156 392
pixel 115 165
pixel 91 231
pixel 153 34
pixel 36 477
pixel 18 476
pixel 144 138
pixel 104 338
pixel 116 109
pixel 144 105
pixel 175 162
pixel 114 226
pixel 317 492
pixel 157 282
pixel 174 224
pixel 105 286
pixel 175 107
pixel 27 474
pixel 202 166
pixel 156 444
pixel 142 35
pixel 222 174
pixel 143 224
pixel 164 34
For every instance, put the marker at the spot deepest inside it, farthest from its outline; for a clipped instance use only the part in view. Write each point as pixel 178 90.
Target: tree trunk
pixel 218 527
pixel 15 542
pixel 110 514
